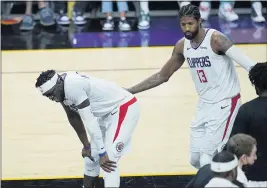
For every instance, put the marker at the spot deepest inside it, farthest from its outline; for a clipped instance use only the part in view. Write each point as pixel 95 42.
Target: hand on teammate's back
pixel 87 153
pixel 106 164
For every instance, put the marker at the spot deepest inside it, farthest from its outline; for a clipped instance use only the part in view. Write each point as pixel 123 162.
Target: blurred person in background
pixel 251 119
pixel 107 8
pixel 226 11
pixel 77 12
pixel 224 167
pixel 46 16
pixel 256 12
pixel 61 10
pixel 245 148
pixel 144 18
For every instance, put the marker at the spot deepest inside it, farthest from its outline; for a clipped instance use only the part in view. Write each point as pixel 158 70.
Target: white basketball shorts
pixel 212 125
pixel 117 130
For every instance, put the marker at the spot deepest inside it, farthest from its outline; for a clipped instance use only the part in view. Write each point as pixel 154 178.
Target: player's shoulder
pixel 217 36
pixel 72 79
pixel 180 42
pixel 249 106
pixel 252 103
pixel 179 46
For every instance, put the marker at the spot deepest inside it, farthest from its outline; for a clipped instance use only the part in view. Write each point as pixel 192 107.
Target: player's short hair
pixel 44 77
pixel 241 144
pixel 258 76
pixel 190 11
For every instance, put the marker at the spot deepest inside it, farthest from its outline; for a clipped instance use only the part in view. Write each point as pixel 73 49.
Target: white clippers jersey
pixel 220 182
pixel 104 96
pixel 214 75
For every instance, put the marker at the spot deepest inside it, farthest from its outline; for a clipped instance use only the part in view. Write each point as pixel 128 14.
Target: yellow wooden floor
pixel 38 142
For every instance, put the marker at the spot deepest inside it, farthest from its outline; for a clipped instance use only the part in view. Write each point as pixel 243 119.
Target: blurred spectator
pixel 256 12
pixel 224 168
pixel 77 12
pixel 61 10
pixel 107 8
pixel 245 148
pixel 144 18
pixel 251 119
pixel 183 3
pixel 46 16
pixel 225 10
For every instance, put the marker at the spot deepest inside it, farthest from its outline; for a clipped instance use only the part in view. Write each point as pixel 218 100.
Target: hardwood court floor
pixel 38 141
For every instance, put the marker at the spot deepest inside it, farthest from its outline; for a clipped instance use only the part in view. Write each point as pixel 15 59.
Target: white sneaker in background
pixel 226 12
pixel 256 12
pixel 204 8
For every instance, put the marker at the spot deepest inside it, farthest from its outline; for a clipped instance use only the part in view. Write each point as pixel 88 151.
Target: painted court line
pixel 111 48
pixel 80 177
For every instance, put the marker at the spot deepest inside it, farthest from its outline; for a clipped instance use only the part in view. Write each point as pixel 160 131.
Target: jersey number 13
pixel 201 75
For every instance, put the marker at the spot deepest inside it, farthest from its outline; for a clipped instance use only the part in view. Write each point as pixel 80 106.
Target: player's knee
pixel 205 159
pixel 91 168
pixel 194 159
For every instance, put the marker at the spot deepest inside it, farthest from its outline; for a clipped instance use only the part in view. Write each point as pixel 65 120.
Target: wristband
pixel 87 147
pixel 102 154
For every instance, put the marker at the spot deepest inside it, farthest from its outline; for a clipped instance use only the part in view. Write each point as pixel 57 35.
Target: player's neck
pixel 240 164
pixel 201 34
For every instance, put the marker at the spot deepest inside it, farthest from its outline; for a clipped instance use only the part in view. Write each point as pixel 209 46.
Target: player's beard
pixel 60 95
pixel 190 35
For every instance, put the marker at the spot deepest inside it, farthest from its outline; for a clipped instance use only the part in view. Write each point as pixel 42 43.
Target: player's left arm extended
pixel 76 122
pixel 91 124
pixel 225 45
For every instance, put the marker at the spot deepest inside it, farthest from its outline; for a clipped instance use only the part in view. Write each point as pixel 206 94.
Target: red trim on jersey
pixel 233 105
pixel 122 114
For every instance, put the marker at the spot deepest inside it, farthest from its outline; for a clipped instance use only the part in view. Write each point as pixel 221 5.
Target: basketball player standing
pixel 108 112
pixel 210 56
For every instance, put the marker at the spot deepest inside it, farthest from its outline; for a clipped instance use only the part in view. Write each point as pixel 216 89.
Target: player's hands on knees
pixel 86 152
pixel 106 164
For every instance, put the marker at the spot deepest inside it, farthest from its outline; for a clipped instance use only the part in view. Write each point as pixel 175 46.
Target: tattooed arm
pixel 173 64
pixel 221 45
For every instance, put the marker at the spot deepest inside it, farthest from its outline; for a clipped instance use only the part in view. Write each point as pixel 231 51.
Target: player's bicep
pixel 220 43
pixel 78 97
pixel 84 104
pixel 70 114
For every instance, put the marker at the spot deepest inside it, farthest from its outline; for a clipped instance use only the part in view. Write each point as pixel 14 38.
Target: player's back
pixel 214 75
pixel 104 95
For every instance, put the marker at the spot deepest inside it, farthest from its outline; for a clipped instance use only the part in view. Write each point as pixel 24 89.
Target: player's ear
pixel 243 158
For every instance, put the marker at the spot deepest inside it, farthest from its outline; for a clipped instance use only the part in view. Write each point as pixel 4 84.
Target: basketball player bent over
pixel 210 56
pixel 108 113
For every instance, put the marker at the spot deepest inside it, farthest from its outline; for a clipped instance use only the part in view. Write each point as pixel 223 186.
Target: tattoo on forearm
pixel 149 83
